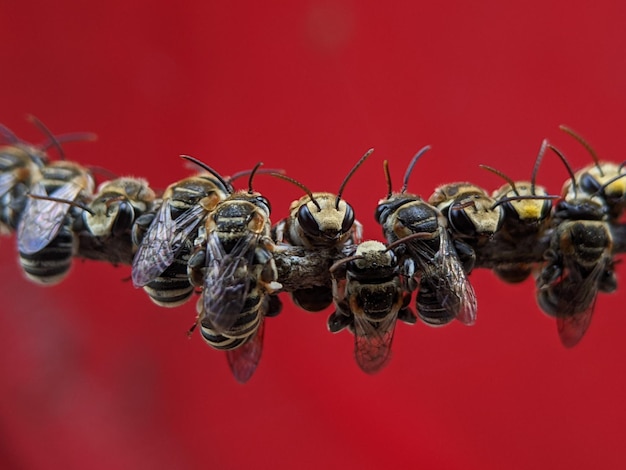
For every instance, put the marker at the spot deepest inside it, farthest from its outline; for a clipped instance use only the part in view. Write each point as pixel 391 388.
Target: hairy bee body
pixel 579 262
pixel 431 262
pixel 331 227
pixel 236 265
pixel 320 221
pixel 46 241
pixel 165 238
pixel 370 297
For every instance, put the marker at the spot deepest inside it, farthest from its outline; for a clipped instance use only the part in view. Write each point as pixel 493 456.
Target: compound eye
pixel 308 222
pixel 381 214
pixel 460 221
pixel 589 184
pixel 348 219
pixel 265 202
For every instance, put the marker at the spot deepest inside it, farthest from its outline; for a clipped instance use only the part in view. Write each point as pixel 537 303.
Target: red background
pixel 94 375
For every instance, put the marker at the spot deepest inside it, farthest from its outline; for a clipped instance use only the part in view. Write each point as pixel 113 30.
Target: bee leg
pixel 608 281
pixel 339 320
pixel 278 232
pixel 552 271
pixel 274 306
pixel 140 227
pixel 410 274
pixel 407 315
pixel 195 267
pixel 467 255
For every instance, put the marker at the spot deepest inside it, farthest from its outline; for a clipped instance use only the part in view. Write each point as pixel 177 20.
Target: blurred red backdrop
pixel 94 375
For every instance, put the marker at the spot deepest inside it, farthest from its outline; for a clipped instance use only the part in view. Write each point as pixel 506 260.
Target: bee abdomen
pixel 51 264
pixel 431 309
pixel 172 288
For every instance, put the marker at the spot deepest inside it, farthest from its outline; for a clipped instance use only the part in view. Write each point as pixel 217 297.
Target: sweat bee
pixel 234 260
pixel 165 239
pixel 579 261
pixel 20 165
pixel 45 239
pixel 599 178
pixel 370 297
pixel 320 221
pixel 431 260
pixel 526 211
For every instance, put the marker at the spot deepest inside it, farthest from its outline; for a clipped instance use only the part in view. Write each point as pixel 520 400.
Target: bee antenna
pixel 206 167
pixel 413 236
pixel 8 134
pixel 349 175
pixel 542 151
pixel 266 171
pixel 387 177
pixel 53 140
pixel 103 171
pixel 523 197
pixel 63 201
pixel 567 165
pixel 501 175
pixel 409 169
pixel 72 137
pixel 252 173
pixel 300 185
pixel 343 261
pixel 585 144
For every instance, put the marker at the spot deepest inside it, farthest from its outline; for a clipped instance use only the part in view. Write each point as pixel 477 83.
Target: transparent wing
pixel 445 277
pixel 43 219
pixel 578 303
pixel 7 181
pixel 162 242
pixel 227 281
pixel 244 360
pixel 372 342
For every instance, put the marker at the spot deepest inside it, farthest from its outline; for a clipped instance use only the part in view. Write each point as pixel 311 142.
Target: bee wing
pixel 244 360
pixel 454 291
pixel 162 242
pixel 43 219
pixel 372 342
pixel 227 281
pixel 7 181
pixel 575 316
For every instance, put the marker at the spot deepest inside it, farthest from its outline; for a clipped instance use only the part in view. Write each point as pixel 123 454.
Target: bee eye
pixel 348 219
pixel 308 222
pixel 460 221
pixel 589 184
pixel 265 202
pixel 381 214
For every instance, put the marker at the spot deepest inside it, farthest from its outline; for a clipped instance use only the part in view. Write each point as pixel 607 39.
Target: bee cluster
pixel 200 235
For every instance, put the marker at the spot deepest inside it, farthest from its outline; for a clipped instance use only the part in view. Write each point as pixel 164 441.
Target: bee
pixel 370 297
pixel 526 211
pixel 431 260
pixel 116 205
pixel 235 261
pixel 165 239
pixel 20 165
pixel 579 261
pixel 601 178
pixel 320 221
pixel 45 240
